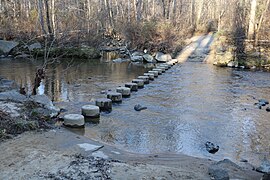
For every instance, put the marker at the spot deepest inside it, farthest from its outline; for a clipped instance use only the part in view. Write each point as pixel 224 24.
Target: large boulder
pixel 148 58
pixel 160 57
pixel 13 96
pixel 137 53
pixel 136 58
pixel 6 85
pixel 7 46
pixel 47 104
pixel 33 46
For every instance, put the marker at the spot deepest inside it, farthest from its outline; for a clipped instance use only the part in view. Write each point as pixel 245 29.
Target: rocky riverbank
pixel 224 54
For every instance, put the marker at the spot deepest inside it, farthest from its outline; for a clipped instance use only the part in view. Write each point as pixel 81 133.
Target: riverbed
pixel 190 104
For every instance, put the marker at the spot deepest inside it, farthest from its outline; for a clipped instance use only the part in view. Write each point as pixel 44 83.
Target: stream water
pixel 188 105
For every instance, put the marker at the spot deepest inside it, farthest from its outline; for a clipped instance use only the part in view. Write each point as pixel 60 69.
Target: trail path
pixel 197 50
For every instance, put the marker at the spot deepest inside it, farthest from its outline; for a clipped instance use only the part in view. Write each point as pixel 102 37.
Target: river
pixel 190 104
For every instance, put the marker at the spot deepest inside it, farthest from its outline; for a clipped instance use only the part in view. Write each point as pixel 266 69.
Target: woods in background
pixel 143 22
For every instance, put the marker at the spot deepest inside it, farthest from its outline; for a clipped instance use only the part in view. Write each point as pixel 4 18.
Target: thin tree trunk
pixel 251 25
pixel 41 19
pixel 260 23
pixel 129 14
pixel 48 20
pixel 53 18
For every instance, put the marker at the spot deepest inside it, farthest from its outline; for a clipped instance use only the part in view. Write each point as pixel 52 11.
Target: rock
pixel 90 111
pixel 268 109
pixel 7 85
pixel 13 96
pixel 136 58
pixel 160 57
pixel 7 46
pixel 211 147
pixel 125 91
pixel 266 176
pixel 263 102
pixel 139 107
pixel 11 108
pixel 158 70
pixel 104 104
pixel 74 120
pixel 163 69
pixel 244 160
pixel 232 64
pixel 144 78
pixel 148 58
pixel 264 167
pixel 218 173
pixel 150 75
pixel 115 96
pixel 33 46
pixel 139 82
pixel 47 103
pixel 120 60
pixel 132 86
pixel 137 53
pixel 22 56
pixel 154 72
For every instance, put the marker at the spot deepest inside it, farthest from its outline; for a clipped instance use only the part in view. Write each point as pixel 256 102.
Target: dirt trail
pixel 197 50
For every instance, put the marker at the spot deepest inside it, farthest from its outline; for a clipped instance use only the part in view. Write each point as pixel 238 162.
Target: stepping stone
pixel 139 82
pixel 125 91
pixel 158 70
pixel 90 111
pixel 115 97
pixel 132 86
pixel 144 78
pixel 154 72
pixel 104 104
pixel 151 76
pixel 74 120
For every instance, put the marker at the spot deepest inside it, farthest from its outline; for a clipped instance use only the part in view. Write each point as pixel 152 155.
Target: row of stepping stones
pixel 105 104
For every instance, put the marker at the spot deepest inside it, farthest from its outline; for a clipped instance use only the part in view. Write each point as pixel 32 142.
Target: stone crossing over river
pixel 105 104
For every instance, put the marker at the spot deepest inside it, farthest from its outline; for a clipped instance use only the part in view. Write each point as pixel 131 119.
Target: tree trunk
pixel 53 18
pixel 252 20
pixel 48 20
pixel 41 19
pixel 260 23
pixel 129 14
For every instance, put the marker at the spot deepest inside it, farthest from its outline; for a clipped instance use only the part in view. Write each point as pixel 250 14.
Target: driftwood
pixel 40 75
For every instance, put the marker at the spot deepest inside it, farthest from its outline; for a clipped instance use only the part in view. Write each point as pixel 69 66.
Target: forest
pixel 140 23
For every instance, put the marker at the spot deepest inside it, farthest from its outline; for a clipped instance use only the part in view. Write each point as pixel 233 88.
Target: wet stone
pixel 139 107
pixel 104 104
pixel 150 76
pixel 162 68
pixel 211 147
pixel 154 72
pixel 132 86
pixel 165 66
pixel 158 70
pixel 144 78
pixel 115 97
pixel 139 82
pixel 90 111
pixel 74 120
pixel 125 91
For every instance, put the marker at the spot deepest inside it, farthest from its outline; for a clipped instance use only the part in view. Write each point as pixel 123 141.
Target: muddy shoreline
pixel 56 154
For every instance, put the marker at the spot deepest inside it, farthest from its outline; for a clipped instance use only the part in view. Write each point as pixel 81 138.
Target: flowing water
pixel 190 104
